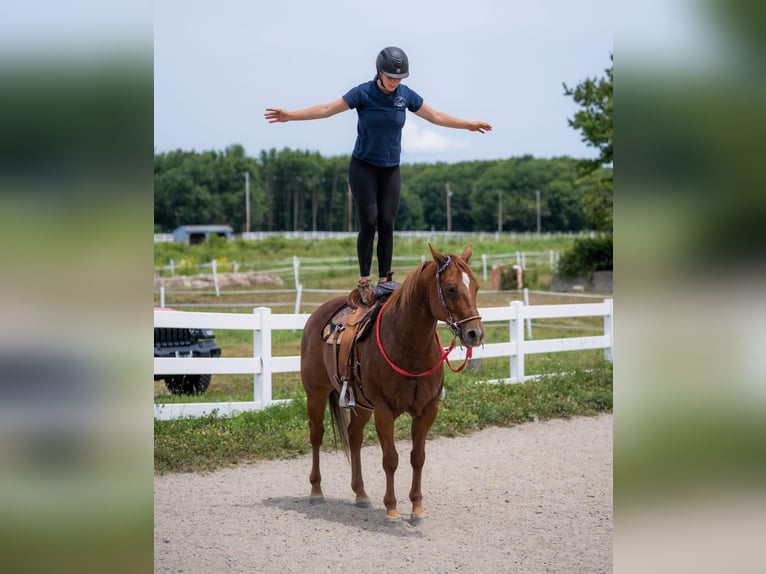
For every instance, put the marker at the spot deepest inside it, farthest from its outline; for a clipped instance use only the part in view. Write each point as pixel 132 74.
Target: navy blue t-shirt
pixel 381 119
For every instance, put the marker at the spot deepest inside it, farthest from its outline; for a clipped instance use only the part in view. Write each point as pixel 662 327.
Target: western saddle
pixel 346 327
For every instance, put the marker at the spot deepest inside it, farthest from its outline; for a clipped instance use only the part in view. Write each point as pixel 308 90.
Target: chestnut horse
pixel 401 370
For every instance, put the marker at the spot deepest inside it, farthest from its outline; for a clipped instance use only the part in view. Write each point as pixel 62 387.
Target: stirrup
pixel 344 401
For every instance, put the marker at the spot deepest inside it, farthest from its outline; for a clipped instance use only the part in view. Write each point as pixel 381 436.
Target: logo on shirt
pixel 400 102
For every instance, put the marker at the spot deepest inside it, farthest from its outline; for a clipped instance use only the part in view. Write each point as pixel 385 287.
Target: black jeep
pixel 174 342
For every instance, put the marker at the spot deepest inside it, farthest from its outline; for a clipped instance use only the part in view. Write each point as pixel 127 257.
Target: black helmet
pixel 392 61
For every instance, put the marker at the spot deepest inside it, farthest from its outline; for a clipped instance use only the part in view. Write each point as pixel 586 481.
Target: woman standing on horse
pixel 373 173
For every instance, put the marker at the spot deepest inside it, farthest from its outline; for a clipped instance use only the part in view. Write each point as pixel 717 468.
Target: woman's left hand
pixel 480 127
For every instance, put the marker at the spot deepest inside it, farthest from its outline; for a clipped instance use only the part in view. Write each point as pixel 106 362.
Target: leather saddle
pixel 347 326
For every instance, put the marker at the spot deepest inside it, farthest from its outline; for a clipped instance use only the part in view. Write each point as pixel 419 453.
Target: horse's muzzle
pixel 472 333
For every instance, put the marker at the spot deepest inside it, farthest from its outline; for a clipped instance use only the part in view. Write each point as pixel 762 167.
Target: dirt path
pixel 531 498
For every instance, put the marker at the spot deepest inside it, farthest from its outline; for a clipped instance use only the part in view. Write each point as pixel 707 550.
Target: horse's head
pixel 456 288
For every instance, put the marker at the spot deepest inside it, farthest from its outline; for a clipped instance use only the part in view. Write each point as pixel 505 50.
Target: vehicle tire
pixel 187 384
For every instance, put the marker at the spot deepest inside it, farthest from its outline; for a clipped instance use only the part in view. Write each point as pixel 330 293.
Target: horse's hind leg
pixel 315 406
pixel 421 424
pixel 359 419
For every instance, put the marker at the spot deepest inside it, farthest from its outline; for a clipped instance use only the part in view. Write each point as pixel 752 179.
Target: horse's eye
pixel 451 289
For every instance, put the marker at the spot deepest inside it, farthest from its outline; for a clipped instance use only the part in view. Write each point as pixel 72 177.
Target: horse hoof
pixel 363 503
pixel 418 519
pixel 393 519
pixel 316 499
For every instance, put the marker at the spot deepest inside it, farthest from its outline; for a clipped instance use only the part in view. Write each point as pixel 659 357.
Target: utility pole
pixel 449 207
pixel 247 201
pixel 537 195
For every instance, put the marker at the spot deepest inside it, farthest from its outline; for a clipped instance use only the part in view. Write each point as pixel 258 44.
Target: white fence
pixel 262 364
pixel 428 235
pixel 549 258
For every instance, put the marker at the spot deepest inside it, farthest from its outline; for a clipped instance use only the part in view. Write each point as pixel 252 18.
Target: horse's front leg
pixel 421 424
pixel 359 419
pixel 384 426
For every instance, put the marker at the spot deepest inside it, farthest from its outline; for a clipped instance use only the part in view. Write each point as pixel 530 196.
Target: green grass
pixel 278 251
pixel 281 431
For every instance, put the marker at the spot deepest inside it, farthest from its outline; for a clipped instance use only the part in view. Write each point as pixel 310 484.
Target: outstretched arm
pixel 274 115
pixel 441 119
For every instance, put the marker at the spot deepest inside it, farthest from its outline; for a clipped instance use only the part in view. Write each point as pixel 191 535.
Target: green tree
pixel 292 190
pixel 207 187
pixel 595 119
pixel 595 122
pixel 294 187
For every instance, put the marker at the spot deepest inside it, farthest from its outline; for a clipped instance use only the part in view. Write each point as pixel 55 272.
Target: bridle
pixel 454 326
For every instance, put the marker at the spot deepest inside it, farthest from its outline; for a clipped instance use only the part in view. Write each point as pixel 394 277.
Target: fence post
pixel 214 265
pixel 262 351
pixel 298 293
pixel 162 296
pixel 172 268
pixel 609 331
pixel 517 342
pixel 296 265
pixel 484 264
pixel 528 320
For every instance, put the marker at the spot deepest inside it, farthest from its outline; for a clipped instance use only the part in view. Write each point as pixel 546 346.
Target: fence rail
pixel 433 235
pixel 549 258
pixel 262 322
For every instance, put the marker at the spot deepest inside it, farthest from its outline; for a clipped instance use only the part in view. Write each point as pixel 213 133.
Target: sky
pixel 219 63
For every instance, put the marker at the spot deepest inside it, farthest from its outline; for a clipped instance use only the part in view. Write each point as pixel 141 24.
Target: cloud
pixel 424 140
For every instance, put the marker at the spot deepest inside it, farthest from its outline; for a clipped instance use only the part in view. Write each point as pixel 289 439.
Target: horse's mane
pixel 404 294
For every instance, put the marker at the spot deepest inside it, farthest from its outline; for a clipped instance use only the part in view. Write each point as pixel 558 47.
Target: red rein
pixel 444 359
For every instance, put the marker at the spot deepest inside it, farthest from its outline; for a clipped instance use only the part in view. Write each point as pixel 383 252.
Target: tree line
pixel 293 190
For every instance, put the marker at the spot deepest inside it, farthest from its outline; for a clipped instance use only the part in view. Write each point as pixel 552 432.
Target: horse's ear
pixel 438 257
pixel 467 252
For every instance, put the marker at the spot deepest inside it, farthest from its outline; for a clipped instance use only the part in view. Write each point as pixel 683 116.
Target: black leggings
pixel 376 191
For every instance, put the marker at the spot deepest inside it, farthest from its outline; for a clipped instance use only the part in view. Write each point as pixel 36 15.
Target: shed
pixel 193 234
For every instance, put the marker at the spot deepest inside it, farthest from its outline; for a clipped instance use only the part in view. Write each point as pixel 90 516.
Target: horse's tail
pixel 339 423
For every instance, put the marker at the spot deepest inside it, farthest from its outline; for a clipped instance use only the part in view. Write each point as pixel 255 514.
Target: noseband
pixel 454 326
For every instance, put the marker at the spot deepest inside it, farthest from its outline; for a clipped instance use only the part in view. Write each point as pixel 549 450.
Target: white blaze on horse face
pixel 466 280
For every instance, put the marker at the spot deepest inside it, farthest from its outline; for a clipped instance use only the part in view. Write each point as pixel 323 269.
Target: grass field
pixel 273 251
pixel 281 431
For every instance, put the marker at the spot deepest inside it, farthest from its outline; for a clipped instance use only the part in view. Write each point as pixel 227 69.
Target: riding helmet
pixel 392 61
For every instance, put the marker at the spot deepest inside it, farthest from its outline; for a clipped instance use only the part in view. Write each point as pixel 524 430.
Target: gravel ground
pixel 532 498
